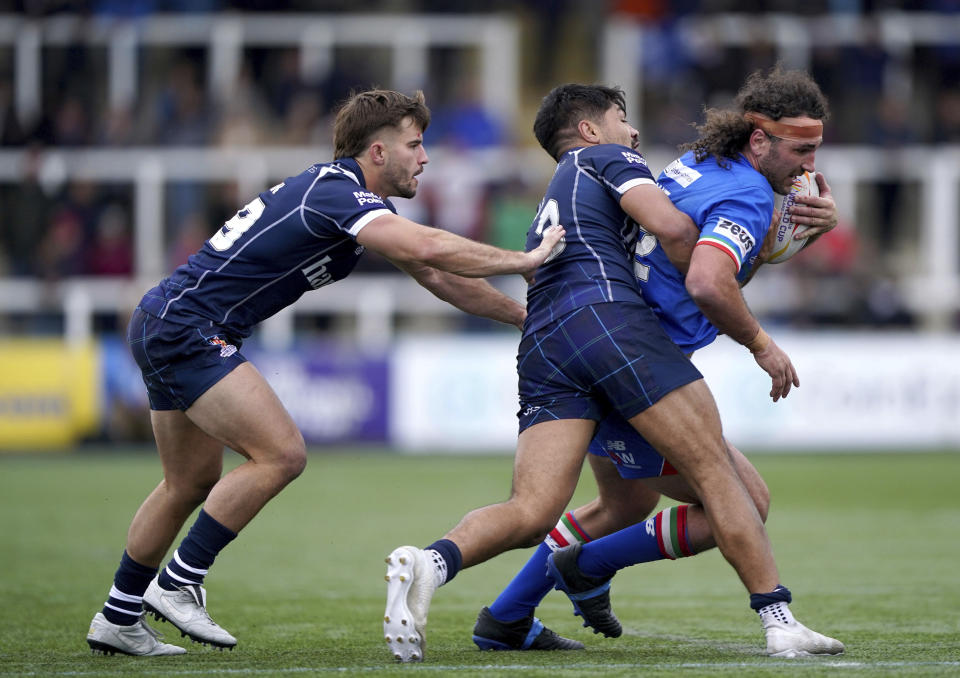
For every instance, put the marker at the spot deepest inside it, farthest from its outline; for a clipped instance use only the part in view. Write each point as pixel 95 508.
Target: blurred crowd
pixel 51 230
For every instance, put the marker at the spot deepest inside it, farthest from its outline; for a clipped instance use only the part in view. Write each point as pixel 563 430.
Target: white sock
pixel 778 612
pixel 439 566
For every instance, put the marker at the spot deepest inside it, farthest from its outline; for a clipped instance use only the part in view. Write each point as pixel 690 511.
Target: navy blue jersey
pixel 594 261
pixel 732 207
pixel 297 236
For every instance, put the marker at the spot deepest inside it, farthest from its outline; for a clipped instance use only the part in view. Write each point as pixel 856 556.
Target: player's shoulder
pixel 734 179
pixel 341 180
pixel 739 175
pixel 607 153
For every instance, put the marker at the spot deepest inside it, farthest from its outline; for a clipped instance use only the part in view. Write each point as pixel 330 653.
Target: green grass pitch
pixel 869 544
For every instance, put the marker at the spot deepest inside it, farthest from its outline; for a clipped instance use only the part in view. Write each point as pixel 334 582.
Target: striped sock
pixel 125 600
pixel 663 536
pixel 567 531
pixel 671 532
pixel 196 553
pixel 531 584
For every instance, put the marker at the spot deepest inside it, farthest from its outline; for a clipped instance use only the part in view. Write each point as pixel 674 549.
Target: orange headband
pixel 793 129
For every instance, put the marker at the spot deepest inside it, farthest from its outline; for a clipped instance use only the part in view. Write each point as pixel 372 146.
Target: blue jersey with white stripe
pixel 732 207
pixel 297 236
pixel 594 263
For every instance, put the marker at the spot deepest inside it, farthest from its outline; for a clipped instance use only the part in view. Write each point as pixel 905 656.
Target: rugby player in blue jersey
pixel 186 334
pixel 725 182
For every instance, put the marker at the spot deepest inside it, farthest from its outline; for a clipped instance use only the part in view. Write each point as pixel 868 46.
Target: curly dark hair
pixel 777 94
pixel 565 106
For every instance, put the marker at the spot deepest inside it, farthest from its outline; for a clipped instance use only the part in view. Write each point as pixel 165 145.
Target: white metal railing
pixel 408 36
pixel 931 287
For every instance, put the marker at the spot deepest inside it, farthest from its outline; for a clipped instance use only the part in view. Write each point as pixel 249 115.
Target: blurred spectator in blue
pixel 183 118
pixel 133 9
pixel 463 121
pixel 283 83
pixel 182 111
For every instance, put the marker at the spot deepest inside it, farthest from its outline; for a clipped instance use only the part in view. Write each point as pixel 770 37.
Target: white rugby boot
pixel 411 583
pixel 186 608
pixel 105 637
pixel 788 638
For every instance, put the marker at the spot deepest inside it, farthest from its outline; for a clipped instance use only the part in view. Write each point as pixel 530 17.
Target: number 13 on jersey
pixel 550 216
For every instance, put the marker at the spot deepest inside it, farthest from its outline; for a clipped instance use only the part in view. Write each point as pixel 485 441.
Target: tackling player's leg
pixel 546 469
pixel 240 411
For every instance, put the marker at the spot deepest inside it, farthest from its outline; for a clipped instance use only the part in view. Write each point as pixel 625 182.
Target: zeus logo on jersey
pixel 634 158
pixel 364 197
pixel 738 234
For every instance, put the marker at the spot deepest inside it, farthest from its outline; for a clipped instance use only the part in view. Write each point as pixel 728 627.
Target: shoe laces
pixel 149 629
pixel 194 594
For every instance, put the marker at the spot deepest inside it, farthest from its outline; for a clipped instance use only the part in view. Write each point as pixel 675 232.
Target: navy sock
pixel 528 588
pixel 196 553
pixel 125 602
pixel 781 594
pixel 452 559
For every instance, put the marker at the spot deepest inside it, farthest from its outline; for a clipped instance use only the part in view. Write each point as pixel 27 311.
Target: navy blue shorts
pixel 599 359
pixel 179 363
pixel 633 456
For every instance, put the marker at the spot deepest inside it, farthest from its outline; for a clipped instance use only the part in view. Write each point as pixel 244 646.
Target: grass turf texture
pixel 868 544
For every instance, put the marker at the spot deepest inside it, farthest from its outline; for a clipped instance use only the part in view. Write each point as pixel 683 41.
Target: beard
pixel 400 184
pixel 780 182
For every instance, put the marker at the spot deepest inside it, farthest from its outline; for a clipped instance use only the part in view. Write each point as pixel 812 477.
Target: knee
pixel 293 459
pixel 531 526
pixel 191 491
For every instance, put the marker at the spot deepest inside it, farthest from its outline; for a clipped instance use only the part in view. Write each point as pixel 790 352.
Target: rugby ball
pixel 785 246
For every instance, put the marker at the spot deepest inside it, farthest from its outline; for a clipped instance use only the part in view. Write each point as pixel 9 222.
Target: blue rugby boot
pixel 529 633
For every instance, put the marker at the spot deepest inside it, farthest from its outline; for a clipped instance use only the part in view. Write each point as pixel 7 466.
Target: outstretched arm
pixel 471 295
pixel 409 243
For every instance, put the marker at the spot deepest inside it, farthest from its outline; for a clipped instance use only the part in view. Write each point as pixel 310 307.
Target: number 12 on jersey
pixel 646 243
